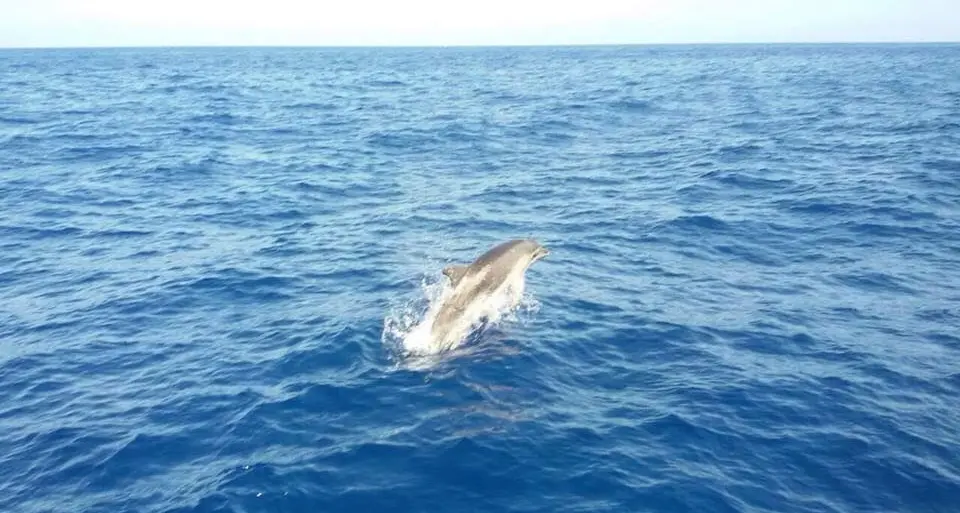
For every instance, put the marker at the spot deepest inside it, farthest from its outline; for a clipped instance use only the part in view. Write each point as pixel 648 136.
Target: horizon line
pixel 488 45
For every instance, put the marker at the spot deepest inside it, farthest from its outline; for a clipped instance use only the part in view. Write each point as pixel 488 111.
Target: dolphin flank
pixel 481 289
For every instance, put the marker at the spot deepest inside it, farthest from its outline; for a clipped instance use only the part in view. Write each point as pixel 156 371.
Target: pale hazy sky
pixel 32 23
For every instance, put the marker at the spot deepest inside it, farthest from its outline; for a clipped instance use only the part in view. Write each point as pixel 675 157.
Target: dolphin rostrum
pixel 482 289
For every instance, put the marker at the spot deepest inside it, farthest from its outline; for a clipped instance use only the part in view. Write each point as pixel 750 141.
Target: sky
pixel 83 23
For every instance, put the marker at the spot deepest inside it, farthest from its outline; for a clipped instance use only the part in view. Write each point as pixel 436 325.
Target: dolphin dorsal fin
pixel 455 273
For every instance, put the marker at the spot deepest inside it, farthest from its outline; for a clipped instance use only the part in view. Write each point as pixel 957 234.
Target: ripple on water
pixel 209 257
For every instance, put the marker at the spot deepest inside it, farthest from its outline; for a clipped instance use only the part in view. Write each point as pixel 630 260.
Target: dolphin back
pixel 507 252
pixel 455 273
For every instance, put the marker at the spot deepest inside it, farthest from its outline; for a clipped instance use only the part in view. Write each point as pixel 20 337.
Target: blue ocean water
pixel 752 302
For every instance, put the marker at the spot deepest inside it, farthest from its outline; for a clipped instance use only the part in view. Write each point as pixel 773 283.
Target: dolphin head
pixel 535 250
pixel 540 252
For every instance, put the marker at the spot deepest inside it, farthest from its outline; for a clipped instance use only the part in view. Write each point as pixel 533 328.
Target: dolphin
pixel 494 280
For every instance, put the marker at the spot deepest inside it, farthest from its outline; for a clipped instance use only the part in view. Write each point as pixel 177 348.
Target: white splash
pixel 406 327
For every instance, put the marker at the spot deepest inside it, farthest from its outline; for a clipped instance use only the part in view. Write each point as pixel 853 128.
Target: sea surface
pixel 209 259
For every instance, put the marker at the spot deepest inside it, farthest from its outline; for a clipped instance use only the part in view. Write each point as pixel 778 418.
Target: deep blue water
pixel 752 302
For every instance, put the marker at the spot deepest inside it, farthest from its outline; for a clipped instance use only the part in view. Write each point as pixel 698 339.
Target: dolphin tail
pixel 455 273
